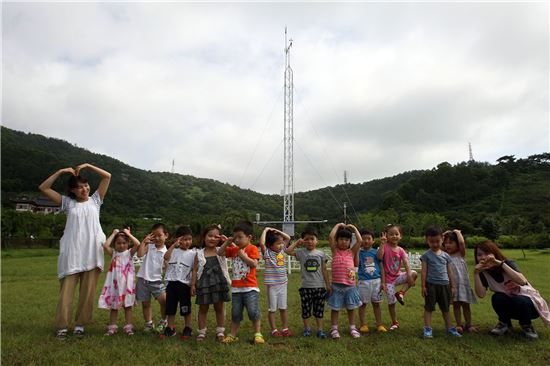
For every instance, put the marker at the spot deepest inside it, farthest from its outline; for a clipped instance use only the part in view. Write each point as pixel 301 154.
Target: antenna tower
pixel 470 151
pixel 288 195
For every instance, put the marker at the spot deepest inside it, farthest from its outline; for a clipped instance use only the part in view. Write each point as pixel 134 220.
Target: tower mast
pixel 288 187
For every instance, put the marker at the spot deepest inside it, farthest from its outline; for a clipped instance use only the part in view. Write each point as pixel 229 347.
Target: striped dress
pixel 275 267
pixel 343 271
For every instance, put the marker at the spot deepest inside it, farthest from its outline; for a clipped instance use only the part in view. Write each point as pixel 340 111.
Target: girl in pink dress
pixel 119 290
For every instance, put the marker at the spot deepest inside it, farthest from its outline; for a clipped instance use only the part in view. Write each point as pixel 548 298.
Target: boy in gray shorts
pixel 149 277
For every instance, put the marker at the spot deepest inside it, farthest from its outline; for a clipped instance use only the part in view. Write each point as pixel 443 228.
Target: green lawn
pixel 29 296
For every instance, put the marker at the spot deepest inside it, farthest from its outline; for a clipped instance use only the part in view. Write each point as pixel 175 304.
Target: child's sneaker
pixel 61 334
pixel 354 333
pixel 78 332
pixel 428 332
pixel 321 334
pixel 148 328
pixel 364 329
pixel 186 334
pixel 452 331
pixel 128 329
pixel 258 338
pixel 381 329
pixel 400 297
pixel 168 332
pixel 276 333
pixel 286 333
pixel 307 332
pixel 230 339
pixel 111 329
pixel 529 331
pixel 499 329
pixel 160 326
pixel 334 334
pixel 394 326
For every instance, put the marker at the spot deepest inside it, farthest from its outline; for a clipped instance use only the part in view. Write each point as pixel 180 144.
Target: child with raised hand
pixel 119 290
pixel 315 281
pixel 455 246
pixel 393 257
pixel 81 257
pixel 437 283
pixel 149 277
pixel 180 260
pixel 344 292
pixel 244 286
pixel 370 273
pixel 273 243
pixel 210 281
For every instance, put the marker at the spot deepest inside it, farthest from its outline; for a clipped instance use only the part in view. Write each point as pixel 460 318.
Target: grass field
pixel 29 297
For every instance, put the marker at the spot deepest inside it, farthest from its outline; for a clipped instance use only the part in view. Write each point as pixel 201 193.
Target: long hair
pixel 206 230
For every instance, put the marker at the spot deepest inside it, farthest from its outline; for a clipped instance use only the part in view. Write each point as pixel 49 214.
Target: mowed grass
pixel 29 298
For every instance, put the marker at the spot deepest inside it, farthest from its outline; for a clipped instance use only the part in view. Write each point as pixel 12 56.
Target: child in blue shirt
pixel 370 273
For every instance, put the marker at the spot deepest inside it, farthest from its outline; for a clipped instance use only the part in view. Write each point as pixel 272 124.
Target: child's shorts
pixel 369 290
pixel 401 279
pixel 313 298
pixel 277 297
pixel 249 300
pixel 178 292
pixel 144 289
pixel 344 296
pixel 440 294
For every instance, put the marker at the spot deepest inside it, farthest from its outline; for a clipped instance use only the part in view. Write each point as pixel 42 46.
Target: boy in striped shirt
pixel 273 243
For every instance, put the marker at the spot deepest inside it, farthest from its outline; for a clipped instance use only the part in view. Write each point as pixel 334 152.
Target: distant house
pixel 38 205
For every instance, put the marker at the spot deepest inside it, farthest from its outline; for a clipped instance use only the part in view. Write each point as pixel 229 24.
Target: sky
pixel 379 88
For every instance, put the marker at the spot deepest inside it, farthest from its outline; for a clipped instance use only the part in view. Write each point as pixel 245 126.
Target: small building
pixel 39 205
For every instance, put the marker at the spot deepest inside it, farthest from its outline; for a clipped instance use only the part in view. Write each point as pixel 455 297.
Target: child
pixel 244 287
pixel 178 274
pixel 315 281
pixel 455 246
pixel 344 291
pixel 275 277
pixel 210 281
pixel 370 274
pixel 392 257
pixel 119 289
pixel 80 258
pixel 437 283
pixel 149 277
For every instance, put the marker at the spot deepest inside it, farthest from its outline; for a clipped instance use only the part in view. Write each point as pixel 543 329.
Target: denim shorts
pixel 344 296
pixel 144 289
pixel 249 300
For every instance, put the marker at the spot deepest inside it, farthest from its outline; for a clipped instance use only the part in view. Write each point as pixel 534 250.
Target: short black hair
pixel 310 230
pixel 433 231
pixel 271 237
pixel 365 231
pixel 160 225
pixel 245 226
pixel 183 231
pixel 343 233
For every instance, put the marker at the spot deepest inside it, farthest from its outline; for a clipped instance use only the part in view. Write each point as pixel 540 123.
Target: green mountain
pixel 512 196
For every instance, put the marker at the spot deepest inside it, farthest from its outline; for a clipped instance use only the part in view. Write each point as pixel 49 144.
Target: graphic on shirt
pixel 179 270
pixel 240 269
pixel 395 263
pixel 280 259
pixel 312 265
pixel 370 267
pixel 351 274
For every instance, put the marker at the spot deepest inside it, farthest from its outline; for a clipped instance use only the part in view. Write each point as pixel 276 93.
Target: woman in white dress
pixel 80 258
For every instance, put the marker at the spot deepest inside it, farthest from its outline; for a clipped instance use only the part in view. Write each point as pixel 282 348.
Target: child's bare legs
pixel 393 315
pixel 147 311
pixel 428 318
pixel 235 328
pixel 319 322
pixel 351 318
pixel 467 314
pixel 162 302
pixel 271 318
pixel 171 319
pixel 220 315
pixel 447 319
pixel 306 323
pixel 113 316
pixel 128 315
pixel 257 326
pixel 284 318
pixel 407 286
pixel 187 321
pixel 203 311
pixel 334 318
pixel 362 314
pixel 456 311
pixel 377 313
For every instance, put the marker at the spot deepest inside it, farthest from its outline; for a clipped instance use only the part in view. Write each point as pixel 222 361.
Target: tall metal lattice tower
pixel 288 190
pixel 470 151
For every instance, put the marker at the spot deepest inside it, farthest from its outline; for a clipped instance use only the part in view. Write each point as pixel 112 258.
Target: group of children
pixel 360 274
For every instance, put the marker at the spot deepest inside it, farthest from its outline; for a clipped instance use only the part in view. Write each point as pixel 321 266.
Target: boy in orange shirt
pixel 244 286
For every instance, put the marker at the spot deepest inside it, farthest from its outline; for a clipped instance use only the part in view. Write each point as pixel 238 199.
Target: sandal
pixel 394 326
pixel 286 333
pixel 354 333
pixel 334 334
pixel 128 329
pixel 276 333
pixel 202 335
pixel 258 338
pixel 220 333
pixel 230 339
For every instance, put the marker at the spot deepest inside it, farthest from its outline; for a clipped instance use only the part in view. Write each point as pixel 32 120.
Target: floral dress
pixel 119 290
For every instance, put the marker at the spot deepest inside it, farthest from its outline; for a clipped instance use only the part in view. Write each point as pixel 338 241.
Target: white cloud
pixel 380 88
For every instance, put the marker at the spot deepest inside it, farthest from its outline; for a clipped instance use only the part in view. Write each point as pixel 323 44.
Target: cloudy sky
pixel 380 88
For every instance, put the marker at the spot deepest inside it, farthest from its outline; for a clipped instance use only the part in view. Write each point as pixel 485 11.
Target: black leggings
pixel 514 307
